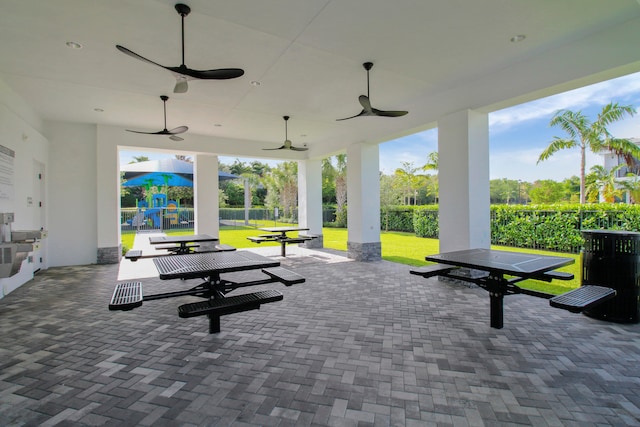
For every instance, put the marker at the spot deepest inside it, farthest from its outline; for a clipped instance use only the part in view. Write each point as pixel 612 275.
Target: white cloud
pixel 522 164
pixel 597 94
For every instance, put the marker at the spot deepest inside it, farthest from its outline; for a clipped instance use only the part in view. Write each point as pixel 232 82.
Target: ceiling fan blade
pixel 298 148
pixel 176 138
pixel 219 74
pixel 279 148
pixel 136 56
pixel 383 113
pixel 179 129
pixel 362 113
pixel 366 103
pixel 162 132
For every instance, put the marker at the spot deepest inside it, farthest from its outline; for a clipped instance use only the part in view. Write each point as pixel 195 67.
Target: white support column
pixel 247 200
pixel 205 195
pixel 108 210
pixel 363 202
pixel 463 173
pixel 310 200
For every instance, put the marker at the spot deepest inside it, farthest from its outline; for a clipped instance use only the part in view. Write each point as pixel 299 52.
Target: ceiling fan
pixel 173 132
pixel 367 109
pixel 182 73
pixel 287 144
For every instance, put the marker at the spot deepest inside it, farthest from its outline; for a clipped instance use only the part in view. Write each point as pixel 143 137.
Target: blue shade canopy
pixel 159 179
pixel 170 172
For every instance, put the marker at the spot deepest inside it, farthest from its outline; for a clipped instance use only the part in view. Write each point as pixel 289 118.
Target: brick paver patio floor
pixel 358 344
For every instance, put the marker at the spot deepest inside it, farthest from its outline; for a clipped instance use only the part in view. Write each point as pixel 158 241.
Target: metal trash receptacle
pixel 612 258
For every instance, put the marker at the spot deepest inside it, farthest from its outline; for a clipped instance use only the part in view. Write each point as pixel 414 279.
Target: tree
pixel 432 162
pixel 184 158
pixel 138 159
pixel 184 195
pixel 253 181
pixel 632 185
pixel 409 181
pixel 509 191
pixel 433 187
pixel 238 168
pixel 605 183
pixel 328 181
pixel 594 135
pixel 433 183
pixel 388 197
pixel 546 191
pixel 282 188
pixel 341 190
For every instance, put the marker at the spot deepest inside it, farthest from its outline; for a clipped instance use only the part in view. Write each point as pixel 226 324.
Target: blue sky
pixel 517 135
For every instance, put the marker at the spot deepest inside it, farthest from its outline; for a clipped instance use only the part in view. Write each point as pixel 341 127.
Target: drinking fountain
pixel 15 245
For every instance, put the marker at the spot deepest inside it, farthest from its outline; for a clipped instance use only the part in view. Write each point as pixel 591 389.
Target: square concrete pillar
pixel 463 174
pixel 363 202
pixel 310 200
pixel 205 195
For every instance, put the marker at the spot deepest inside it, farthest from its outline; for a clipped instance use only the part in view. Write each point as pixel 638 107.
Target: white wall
pixel 72 194
pixel 20 130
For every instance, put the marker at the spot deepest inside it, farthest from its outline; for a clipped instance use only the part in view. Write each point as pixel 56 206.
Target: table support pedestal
pixel 496 303
pixel 214 323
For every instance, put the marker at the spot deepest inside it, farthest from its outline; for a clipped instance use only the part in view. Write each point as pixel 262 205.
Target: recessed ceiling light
pixel 98 110
pixel 518 38
pixel 218 125
pixel 255 83
pixel 74 45
pixel 303 135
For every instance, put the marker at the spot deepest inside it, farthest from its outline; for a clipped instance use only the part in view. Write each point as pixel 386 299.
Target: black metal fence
pixel 161 219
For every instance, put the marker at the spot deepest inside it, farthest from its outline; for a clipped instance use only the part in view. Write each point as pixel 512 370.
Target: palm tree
pixel 605 183
pixel 432 162
pixel 409 181
pixel 341 189
pixel 632 186
pixel 593 135
pixel 139 159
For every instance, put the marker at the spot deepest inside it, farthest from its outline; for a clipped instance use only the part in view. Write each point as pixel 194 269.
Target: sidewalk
pixel 143 267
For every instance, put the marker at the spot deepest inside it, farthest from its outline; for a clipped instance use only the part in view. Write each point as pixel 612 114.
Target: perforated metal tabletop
pixel 512 263
pixel 206 264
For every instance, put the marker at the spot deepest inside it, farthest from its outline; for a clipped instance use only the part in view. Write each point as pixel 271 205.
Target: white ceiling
pixel 432 57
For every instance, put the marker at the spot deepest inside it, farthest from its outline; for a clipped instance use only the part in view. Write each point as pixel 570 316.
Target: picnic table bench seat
pixel 126 296
pixel 582 298
pixel 172 247
pixel 133 254
pixel 214 308
pixel 432 270
pixel 298 239
pixel 229 305
pixel 221 247
pixel 555 275
pixel 260 239
pixel 281 274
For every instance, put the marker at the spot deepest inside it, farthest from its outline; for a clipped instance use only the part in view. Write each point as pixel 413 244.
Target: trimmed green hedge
pixel 548 227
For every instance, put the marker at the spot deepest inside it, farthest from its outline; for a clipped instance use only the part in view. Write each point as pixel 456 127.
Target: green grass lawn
pixel 404 248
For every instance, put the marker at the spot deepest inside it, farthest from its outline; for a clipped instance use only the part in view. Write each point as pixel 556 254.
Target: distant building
pixel 612 160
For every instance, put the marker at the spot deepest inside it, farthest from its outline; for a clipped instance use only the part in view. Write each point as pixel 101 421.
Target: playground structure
pixel 160 214
pixel 156 212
